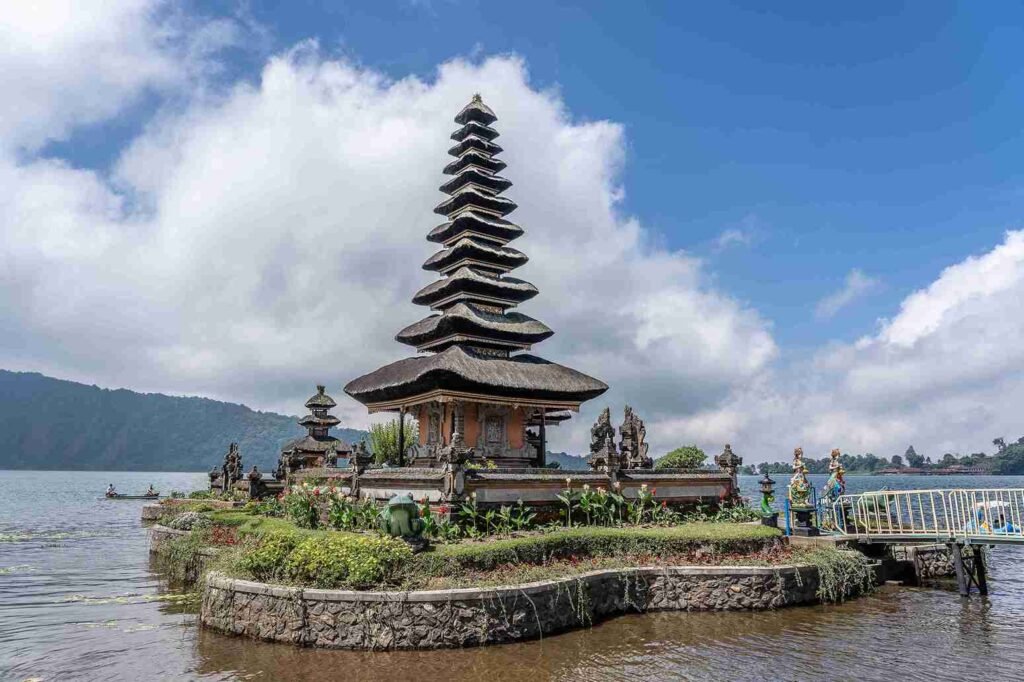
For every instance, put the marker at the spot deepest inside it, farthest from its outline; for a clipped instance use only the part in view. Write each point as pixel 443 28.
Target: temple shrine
pixel 474 387
pixel 317 448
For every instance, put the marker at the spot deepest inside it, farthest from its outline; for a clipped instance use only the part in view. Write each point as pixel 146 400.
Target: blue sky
pixel 884 137
pixel 770 226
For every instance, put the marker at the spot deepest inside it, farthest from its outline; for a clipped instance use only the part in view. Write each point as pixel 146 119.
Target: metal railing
pixel 989 515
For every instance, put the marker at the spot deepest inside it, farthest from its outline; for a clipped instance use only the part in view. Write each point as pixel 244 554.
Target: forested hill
pixel 53 424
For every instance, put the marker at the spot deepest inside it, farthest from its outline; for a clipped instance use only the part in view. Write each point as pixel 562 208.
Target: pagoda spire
pixel 474 298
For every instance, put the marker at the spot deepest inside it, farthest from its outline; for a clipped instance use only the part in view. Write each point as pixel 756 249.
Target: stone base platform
pixel 343 619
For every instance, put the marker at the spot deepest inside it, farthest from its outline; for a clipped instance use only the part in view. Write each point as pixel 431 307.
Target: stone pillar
pixel 458 423
pixel 401 437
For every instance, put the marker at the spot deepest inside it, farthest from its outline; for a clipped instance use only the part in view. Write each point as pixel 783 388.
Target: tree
pixel 897 461
pixel 948 459
pixel 683 457
pixel 913 459
pixel 1000 444
pixel 384 440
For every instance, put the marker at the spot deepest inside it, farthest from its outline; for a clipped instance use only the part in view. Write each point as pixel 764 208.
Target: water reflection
pixel 80 599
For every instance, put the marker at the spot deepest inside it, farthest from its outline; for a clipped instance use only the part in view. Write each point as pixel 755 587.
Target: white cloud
pixel 250 245
pixel 66 63
pixel 732 237
pixel 857 285
pixel 944 375
pixel 274 236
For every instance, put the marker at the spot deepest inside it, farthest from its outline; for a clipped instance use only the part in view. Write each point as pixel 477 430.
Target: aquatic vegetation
pixel 841 573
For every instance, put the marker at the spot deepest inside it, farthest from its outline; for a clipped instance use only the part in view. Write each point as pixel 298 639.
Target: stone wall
pixel 474 617
pixel 930 561
pixel 158 535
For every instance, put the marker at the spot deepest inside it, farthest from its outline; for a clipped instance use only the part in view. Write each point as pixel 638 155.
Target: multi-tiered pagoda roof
pixel 318 424
pixel 474 340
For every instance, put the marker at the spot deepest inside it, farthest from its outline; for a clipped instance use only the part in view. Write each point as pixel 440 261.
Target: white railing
pixel 990 515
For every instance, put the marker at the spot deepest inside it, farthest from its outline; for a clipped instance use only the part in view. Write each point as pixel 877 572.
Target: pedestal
pixel 803 522
pixel 770 520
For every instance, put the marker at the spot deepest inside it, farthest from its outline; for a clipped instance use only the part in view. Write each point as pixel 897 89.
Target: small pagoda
pixel 473 387
pixel 318 448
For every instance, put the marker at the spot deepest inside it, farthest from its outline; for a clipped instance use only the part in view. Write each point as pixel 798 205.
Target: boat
pixel 119 496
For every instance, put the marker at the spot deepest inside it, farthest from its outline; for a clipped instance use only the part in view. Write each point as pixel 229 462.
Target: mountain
pixel 567 461
pixel 53 424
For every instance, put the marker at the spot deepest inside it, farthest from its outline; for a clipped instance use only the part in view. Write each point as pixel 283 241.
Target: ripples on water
pixel 80 600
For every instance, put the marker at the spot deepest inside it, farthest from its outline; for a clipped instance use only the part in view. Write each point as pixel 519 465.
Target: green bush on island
pixel 683 457
pixel 346 560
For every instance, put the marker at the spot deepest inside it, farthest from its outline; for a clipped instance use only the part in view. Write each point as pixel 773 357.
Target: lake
pixel 80 600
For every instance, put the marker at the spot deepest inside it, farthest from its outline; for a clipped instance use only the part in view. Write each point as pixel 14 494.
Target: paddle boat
pixel 990 517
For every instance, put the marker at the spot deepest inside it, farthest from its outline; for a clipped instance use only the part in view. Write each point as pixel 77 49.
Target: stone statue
pixel 730 463
pixel 331 457
pixel 361 457
pixel 215 478
pixel 603 453
pixel 632 446
pixel 255 483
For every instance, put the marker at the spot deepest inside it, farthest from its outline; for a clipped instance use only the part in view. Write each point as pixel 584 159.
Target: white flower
pixel 586 486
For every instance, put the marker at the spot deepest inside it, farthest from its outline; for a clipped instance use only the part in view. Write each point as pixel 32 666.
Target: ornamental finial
pixel 320 389
pixel 477 99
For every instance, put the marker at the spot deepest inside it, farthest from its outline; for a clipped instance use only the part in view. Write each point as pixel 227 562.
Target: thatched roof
pixel 474 128
pixel 472 175
pixel 312 420
pixel 500 258
pixel 473 142
pixel 474 158
pixel 467 282
pixel 477 111
pixel 463 369
pixel 321 399
pixel 470 221
pixel 309 444
pixel 471 196
pixel 469 320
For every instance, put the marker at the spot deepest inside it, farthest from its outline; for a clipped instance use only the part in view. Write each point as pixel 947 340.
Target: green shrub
pixel 182 558
pixel 592 541
pixel 345 560
pixel 263 557
pixel 683 457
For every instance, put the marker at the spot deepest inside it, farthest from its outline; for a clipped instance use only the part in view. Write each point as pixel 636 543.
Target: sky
pixel 795 226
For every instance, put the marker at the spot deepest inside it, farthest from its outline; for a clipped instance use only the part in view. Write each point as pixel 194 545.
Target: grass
pixel 527 557
pixel 694 542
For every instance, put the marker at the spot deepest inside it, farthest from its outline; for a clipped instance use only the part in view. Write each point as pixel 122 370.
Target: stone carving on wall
pixel 729 462
pixel 633 449
pixel 603 453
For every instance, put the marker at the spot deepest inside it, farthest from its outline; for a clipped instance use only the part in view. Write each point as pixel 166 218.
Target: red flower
pixel 443 509
pixel 654 491
pixel 316 492
pixel 664 503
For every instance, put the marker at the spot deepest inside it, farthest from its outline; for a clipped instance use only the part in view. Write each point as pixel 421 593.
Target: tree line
pixel 1007 460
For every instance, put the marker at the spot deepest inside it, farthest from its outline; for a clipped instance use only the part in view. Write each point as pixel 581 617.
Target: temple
pixel 318 448
pixel 473 386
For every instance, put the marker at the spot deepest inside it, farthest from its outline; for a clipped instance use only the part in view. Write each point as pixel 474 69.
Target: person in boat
pixel 110 491
pixel 151 491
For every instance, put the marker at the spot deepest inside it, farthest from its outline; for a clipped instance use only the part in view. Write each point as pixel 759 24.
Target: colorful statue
pixel 799 486
pixel 836 484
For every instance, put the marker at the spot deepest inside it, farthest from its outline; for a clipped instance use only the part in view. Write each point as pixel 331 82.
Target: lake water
pixel 79 600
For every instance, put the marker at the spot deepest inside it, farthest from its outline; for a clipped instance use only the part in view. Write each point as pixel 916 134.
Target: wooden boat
pixel 119 496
